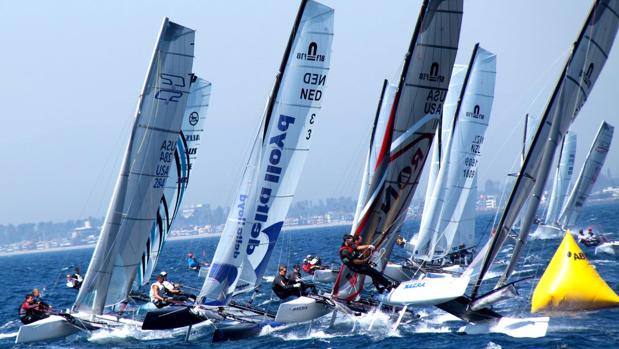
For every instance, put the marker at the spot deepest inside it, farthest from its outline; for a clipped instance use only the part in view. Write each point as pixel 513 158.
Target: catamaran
pixel 267 187
pixel 574 86
pixel 399 149
pixel 451 210
pixel 138 193
pixel 561 183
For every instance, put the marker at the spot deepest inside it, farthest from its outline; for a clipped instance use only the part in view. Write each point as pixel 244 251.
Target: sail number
pixel 162 169
pixel 311 122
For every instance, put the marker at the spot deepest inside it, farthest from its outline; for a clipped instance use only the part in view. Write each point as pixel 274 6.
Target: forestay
pixel 452 205
pixel 588 175
pixel 142 179
pixel 575 83
pixel 277 159
pixel 185 155
pixel 563 176
pixel 410 129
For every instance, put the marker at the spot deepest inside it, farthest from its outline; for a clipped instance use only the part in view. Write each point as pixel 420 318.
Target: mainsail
pixel 452 210
pixel 185 156
pixel 276 160
pixel 588 175
pixel 408 136
pixel 144 172
pixel 575 83
pixel 563 176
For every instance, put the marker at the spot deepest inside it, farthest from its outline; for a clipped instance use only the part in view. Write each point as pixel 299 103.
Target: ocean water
pixel 433 328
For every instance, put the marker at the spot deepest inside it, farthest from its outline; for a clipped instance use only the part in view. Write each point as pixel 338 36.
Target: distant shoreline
pixel 171 238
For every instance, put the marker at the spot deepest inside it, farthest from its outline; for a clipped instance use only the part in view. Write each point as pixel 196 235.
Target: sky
pixel 72 72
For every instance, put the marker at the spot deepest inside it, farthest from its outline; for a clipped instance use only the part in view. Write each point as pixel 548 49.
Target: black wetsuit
pixel 29 313
pixel 283 287
pixel 348 255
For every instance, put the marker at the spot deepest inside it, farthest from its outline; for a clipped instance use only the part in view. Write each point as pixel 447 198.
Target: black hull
pixel 241 331
pixel 459 307
pixel 171 317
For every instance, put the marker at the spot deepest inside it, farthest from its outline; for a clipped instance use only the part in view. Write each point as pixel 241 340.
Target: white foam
pixel 492 345
pixel 8 335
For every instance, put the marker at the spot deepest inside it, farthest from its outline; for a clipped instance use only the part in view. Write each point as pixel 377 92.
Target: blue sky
pixel 72 71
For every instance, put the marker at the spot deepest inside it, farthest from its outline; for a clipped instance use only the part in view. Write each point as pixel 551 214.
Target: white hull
pixel 324 275
pixel 430 290
pixel 533 327
pixel 398 272
pixel 544 232
pixel 53 327
pixel 302 309
pixel 611 248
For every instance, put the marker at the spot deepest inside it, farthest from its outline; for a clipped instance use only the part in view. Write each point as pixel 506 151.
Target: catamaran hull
pixel 172 317
pixel 608 247
pixel 325 275
pixel 53 327
pixel 426 291
pixel 544 232
pixel 303 309
pixel 533 327
pixel 242 331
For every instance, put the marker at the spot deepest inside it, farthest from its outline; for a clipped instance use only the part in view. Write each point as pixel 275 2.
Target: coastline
pixel 171 238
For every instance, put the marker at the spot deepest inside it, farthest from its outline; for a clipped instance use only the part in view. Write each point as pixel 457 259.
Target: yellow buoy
pixel 570 283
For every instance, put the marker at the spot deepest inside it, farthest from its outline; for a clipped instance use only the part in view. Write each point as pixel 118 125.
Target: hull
pixel 241 331
pixel 172 317
pixel 533 327
pixel 398 272
pixel 324 276
pixel 611 248
pixel 303 309
pixel 544 232
pixel 427 291
pixel 53 327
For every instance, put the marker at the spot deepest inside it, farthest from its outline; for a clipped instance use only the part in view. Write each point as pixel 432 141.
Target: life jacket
pixel 350 250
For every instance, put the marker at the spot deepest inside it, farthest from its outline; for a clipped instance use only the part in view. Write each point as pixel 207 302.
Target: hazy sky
pixel 72 72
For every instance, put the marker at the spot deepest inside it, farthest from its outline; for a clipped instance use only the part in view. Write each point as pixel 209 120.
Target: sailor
pixel 295 275
pixel 36 294
pixel 311 264
pixel 284 287
pixel 173 290
pixel 75 280
pixel 156 293
pixel 354 257
pixel 192 262
pixel 30 312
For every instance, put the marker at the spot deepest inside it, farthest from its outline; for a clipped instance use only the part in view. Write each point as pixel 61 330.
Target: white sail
pixel 282 146
pixel 563 176
pixel 142 179
pixel 444 131
pixel 412 123
pixel 588 175
pixel 185 155
pixel 450 212
pixel 575 83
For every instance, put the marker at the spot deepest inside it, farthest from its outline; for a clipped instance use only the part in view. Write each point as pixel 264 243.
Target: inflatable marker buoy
pixel 570 283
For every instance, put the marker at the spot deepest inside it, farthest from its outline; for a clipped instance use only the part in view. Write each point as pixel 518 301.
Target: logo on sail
pixel 586 75
pixel 476 113
pixel 194 118
pixel 432 75
pixel 602 148
pixel 311 54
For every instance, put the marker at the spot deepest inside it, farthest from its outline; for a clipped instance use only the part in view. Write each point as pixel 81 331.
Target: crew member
pixel 355 258
pixel 75 280
pixel 30 312
pixel 311 264
pixel 36 294
pixel 173 290
pixel 192 262
pixel 156 293
pixel 284 287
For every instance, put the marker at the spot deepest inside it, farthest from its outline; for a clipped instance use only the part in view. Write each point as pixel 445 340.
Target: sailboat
pixel 397 154
pixel 268 184
pixel 137 195
pixel 581 70
pixel 563 176
pixel 185 155
pixel 451 211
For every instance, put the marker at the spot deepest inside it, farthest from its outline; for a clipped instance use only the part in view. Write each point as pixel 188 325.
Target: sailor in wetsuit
pixel 29 311
pixel 284 287
pixel 295 276
pixel 353 256
pixel 157 293
pixel 173 290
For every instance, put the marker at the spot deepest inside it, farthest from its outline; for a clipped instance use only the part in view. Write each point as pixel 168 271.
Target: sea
pixel 429 328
